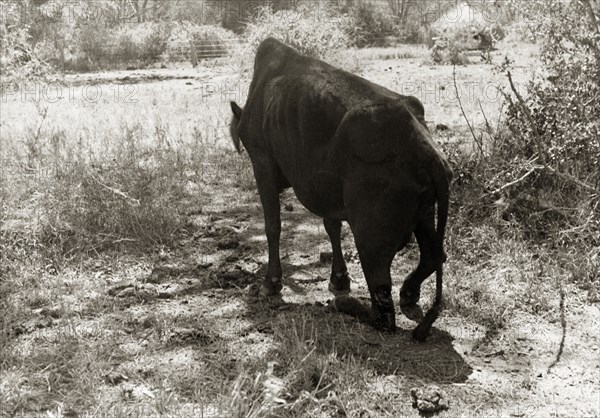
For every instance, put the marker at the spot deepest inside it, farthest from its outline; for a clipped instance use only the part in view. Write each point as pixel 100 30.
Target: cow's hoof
pixel 339 284
pixel 408 298
pixel 420 333
pixel 409 304
pixel 383 309
pixel 271 287
pixel 386 322
pixel 413 312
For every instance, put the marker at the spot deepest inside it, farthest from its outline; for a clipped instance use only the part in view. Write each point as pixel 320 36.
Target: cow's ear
pixel 237 111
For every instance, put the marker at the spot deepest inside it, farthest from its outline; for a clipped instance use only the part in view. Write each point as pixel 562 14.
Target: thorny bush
pixel 537 174
pixel 566 106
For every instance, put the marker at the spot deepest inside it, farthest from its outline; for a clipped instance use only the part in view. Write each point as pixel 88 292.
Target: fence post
pixel 193 54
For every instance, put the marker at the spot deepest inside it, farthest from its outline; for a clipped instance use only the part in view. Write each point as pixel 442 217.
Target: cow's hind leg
pixel 410 292
pixel 267 183
pixel 376 260
pixel 339 282
pixel 379 281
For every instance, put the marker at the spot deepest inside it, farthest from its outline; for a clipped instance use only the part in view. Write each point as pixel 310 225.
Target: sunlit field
pixel 132 240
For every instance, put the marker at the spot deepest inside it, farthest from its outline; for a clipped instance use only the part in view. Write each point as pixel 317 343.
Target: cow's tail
pixel 233 126
pixel 441 181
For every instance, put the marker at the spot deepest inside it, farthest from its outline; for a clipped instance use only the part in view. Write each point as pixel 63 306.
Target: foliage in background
pixel 18 60
pixel 315 30
pixel 449 52
pixel 566 106
pixel 466 27
pixel 100 47
pixel 85 36
pixel 211 40
pixel 372 25
pixel 539 173
pixel 563 113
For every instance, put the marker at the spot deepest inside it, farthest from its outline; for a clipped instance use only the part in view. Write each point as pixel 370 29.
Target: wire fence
pixel 201 49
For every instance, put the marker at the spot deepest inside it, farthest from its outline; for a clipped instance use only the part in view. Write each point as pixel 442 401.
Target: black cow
pixel 352 151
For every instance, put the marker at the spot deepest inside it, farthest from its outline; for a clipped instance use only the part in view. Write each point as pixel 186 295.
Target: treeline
pixel 89 35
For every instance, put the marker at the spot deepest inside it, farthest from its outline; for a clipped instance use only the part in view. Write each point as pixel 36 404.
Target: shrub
pixel 75 204
pixel 123 50
pixel 243 11
pixel 566 106
pixel 18 60
pixel 93 42
pixel 563 110
pixel 140 44
pixel 210 41
pixel 418 34
pixel 150 40
pixel 112 204
pixel 314 30
pixel 154 44
pixel 448 52
pixel 373 25
pixel 540 173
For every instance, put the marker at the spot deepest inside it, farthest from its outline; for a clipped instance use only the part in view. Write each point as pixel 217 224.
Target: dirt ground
pixel 203 294
pixel 511 371
pixel 184 313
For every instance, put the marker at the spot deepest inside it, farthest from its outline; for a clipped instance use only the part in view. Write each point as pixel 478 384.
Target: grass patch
pixel 389 53
pixel 68 363
pixel 64 196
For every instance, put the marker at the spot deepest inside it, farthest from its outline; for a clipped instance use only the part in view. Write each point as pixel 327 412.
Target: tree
pixel 18 60
pixel 400 9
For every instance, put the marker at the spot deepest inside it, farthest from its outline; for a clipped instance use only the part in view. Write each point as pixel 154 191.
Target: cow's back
pixel 278 66
pixel 295 106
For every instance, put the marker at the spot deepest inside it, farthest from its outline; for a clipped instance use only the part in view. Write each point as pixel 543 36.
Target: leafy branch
pixel 540 147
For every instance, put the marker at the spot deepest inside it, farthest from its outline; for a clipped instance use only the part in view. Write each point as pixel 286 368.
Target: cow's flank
pixel 352 151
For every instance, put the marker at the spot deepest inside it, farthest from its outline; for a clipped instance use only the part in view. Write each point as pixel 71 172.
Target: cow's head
pixel 233 125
